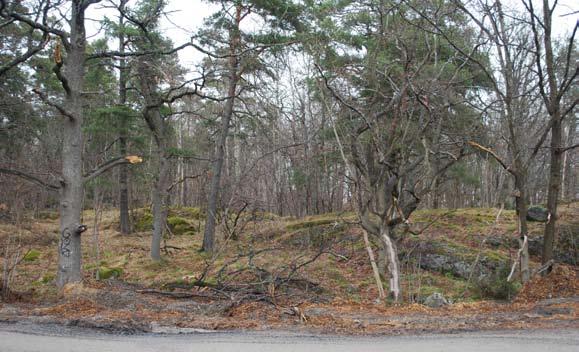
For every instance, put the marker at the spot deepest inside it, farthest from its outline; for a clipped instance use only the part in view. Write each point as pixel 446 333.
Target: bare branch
pixel 30 178
pixel 51 103
pixel 131 159
pixel 492 153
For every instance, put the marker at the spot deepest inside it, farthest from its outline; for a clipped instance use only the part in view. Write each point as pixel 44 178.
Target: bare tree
pixel 553 88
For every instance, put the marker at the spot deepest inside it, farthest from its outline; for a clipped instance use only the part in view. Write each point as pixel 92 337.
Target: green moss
pixel 180 226
pixel 190 213
pixel 107 273
pixel 47 278
pixel 310 223
pixel 178 220
pixel 32 255
pixel 143 221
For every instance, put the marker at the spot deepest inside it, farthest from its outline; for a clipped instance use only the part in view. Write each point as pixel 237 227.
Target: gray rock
pixel 565 249
pixel 443 263
pixel 436 300
pixel 538 214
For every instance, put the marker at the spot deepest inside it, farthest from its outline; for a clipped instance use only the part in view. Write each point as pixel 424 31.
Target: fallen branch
pixel 175 294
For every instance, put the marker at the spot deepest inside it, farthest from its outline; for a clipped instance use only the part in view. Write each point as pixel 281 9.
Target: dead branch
pixel 30 178
pixel 131 159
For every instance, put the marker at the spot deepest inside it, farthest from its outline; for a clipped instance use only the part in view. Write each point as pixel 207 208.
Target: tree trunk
pixel 567 176
pixel 158 126
pixel 125 225
pixel 381 294
pixel 521 203
pixel 392 264
pixel 160 205
pixel 209 234
pixel 554 109
pixel 71 193
pixel 554 189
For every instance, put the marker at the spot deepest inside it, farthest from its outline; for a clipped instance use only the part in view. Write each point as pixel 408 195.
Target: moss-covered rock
pixel 107 273
pixel 180 226
pixel 179 220
pixel 143 220
pixel 451 257
pixel 189 213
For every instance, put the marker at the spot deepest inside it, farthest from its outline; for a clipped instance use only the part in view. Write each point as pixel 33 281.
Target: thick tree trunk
pixel 69 263
pixel 209 234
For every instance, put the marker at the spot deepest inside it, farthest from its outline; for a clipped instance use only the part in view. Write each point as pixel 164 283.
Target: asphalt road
pixel 59 339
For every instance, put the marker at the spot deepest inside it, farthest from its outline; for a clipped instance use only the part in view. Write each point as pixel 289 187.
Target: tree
pixel 402 110
pixel 514 101
pixel 69 67
pixel 280 15
pixel 553 89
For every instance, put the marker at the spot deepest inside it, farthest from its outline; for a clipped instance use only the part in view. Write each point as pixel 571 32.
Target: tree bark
pixel 160 205
pixel 554 189
pixel 71 193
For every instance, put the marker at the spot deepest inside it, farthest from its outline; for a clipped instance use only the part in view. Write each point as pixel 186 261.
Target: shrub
pixel 495 285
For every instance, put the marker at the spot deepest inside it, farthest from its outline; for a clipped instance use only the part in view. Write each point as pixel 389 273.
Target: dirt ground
pixel 335 293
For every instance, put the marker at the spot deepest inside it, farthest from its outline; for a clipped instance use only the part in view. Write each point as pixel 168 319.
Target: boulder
pixel 566 250
pixel 538 214
pixel 445 264
pixel 436 300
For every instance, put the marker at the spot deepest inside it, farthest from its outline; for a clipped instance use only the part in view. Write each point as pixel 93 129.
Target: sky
pixel 186 16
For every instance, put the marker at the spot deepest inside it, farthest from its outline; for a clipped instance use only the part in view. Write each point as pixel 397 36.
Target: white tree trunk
pixel 392 264
pixel 381 294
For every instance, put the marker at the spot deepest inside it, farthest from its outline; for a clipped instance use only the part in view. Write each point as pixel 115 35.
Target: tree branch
pixel 181 180
pixel 29 178
pixel 131 159
pixel 49 102
pixel 28 54
pixel 492 153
